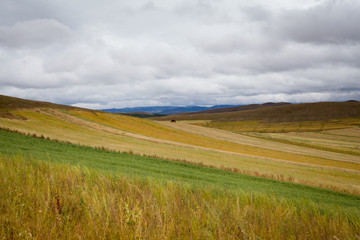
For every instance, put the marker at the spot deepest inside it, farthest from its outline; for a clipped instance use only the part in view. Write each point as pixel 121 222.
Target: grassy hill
pixel 278 112
pixel 84 173
pixel 8 103
pixel 162 169
pixel 279 157
pixel 44 200
pixel 280 117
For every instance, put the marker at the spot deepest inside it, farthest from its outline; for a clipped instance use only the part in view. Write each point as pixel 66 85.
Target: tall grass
pixel 164 170
pixel 43 200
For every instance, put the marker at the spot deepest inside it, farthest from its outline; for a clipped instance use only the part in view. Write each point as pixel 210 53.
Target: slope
pixel 249 155
pixel 132 165
pixel 286 113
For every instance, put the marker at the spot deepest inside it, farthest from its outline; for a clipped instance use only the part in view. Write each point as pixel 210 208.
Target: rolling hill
pixel 255 155
pixel 281 112
pixel 82 172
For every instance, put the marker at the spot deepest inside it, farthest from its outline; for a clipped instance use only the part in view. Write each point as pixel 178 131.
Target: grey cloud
pixel 198 9
pixel 335 21
pixel 25 10
pixel 177 52
pixel 257 13
pixel 28 72
pixel 240 41
pixel 34 33
pixel 69 59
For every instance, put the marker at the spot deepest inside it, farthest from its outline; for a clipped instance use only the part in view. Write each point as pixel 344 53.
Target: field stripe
pixel 13 144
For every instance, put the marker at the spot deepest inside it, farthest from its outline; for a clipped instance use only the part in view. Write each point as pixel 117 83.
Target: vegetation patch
pixel 164 170
pixel 9 115
pixel 266 127
pixel 303 144
pixel 43 200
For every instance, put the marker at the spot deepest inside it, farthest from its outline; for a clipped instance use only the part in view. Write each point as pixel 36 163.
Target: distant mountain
pixel 244 107
pixel 277 112
pixel 165 109
pixel 144 114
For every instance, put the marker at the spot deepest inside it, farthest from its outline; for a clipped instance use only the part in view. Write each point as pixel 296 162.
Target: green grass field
pixel 44 200
pixel 209 146
pixel 81 174
pixel 162 170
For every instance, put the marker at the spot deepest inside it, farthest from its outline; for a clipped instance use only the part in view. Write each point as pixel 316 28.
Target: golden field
pixel 197 144
pixel 72 173
pixel 262 154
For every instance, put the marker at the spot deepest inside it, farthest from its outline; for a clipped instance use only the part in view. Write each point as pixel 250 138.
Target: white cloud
pixel 119 54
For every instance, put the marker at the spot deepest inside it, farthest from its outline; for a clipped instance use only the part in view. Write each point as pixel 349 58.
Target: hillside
pixel 283 113
pixel 278 157
pixel 241 108
pixel 79 172
pixel 13 103
pixel 45 200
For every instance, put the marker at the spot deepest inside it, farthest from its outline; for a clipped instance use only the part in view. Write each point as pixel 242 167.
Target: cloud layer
pixel 140 53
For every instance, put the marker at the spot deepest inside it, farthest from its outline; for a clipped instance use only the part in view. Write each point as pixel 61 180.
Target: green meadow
pixel 14 144
pixel 56 190
pixel 68 173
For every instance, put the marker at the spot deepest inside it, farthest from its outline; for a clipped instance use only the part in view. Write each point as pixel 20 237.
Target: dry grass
pixel 335 141
pixel 267 127
pixel 52 201
pixel 260 139
pixel 58 124
pixel 150 129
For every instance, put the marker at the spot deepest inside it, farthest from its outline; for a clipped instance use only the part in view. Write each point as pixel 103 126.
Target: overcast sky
pixel 113 53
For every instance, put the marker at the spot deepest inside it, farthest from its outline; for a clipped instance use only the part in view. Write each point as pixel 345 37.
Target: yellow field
pixel 184 141
pixel 342 140
pixel 261 126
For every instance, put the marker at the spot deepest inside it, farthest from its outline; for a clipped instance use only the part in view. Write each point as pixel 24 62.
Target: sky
pixel 114 54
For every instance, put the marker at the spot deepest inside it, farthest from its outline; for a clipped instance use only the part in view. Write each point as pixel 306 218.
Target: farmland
pixel 120 194
pixel 309 168
pixel 263 127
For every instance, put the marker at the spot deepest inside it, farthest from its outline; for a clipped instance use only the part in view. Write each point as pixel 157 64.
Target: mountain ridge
pixel 164 109
pixel 317 111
